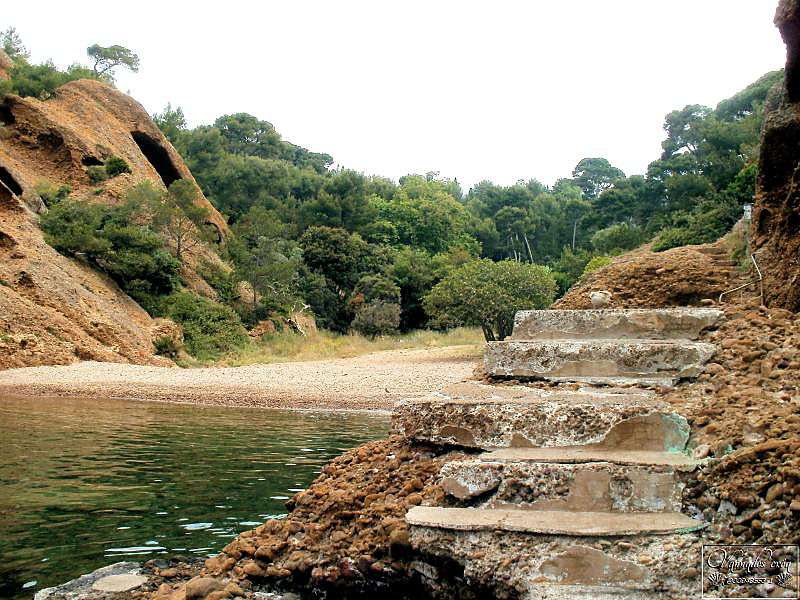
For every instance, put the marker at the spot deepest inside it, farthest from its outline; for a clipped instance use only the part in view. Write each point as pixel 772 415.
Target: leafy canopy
pixel 488 295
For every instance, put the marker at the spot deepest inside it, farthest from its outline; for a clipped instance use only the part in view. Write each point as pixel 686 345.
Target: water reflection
pixel 84 483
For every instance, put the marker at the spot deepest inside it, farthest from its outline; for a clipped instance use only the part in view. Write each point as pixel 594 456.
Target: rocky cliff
pixel 776 215
pixel 53 309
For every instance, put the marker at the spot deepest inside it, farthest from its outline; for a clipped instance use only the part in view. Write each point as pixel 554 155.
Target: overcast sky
pixel 475 90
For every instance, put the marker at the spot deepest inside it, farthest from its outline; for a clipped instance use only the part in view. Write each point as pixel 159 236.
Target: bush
pixel 50 193
pixel 489 294
pixel 131 255
pixel 97 174
pixel 596 263
pixel 225 283
pixel 167 346
pixel 377 318
pixel 617 238
pixel 209 329
pixel 116 166
pixel 40 81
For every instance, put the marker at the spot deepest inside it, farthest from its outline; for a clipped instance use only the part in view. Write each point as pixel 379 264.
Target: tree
pixel 377 318
pixel 488 295
pixel 593 175
pixel 108 58
pixel 171 122
pixel 13 46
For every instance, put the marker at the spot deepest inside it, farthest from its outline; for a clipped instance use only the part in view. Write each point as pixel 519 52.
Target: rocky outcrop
pixel 56 310
pixel 776 215
pixel 5 65
pixel 685 276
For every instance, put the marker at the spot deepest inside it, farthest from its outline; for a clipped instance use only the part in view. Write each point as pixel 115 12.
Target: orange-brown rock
pixel 5 65
pixel 682 276
pixel 776 214
pixel 53 309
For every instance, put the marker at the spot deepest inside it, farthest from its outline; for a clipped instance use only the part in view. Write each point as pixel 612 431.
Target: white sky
pixel 499 90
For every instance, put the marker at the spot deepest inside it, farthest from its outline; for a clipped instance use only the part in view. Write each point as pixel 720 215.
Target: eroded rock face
pixel 776 215
pixel 56 310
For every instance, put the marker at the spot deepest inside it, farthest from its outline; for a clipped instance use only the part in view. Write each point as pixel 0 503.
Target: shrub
pixel 596 263
pixel 96 173
pixel 50 193
pixel 489 294
pixel 115 166
pixel 377 318
pixel 167 346
pixel 225 283
pixel 133 256
pixel 616 238
pixel 209 329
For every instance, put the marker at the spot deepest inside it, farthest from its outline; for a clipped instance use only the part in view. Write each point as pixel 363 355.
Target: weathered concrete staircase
pixel 576 494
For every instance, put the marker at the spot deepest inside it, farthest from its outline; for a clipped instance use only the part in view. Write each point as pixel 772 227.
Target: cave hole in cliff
pixel 91 161
pixel 157 156
pixel 6 116
pixel 8 180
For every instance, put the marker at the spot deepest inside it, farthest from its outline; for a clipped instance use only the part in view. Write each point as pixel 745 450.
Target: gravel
pixel 374 381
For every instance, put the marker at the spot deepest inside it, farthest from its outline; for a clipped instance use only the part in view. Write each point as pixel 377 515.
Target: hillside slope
pixel 53 309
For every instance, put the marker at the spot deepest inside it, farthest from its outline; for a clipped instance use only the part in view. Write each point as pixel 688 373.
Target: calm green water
pixel 85 483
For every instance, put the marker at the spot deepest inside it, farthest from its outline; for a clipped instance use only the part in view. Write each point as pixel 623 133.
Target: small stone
pixel 200 587
pixel 727 507
pixel 795 506
pixel 690 573
pixel 646 559
pixel 168 573
pixel 774 492
pixel 233 589
pixel 253 570
pixel 118 583
pixel 701 451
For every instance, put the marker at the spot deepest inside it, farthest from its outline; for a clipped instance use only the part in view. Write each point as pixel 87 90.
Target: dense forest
pixel 366 252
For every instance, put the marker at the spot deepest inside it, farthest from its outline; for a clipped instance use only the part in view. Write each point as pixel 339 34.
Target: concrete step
pixel 551 522
pixel 584 487
pixel 659 362
pixel 588 454
pixel 477 415
pixel 557 567
pixel 658 323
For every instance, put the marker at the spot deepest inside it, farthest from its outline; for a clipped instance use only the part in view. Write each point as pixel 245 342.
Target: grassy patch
pixel 290 347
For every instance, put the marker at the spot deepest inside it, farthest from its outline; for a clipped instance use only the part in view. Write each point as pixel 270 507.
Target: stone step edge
pixel 544 522
pixel 587 455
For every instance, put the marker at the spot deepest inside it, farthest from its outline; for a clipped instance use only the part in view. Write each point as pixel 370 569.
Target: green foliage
pixel 672 237
pixel 488 294
pixel 107 58
pixel 50 193
pixel 596 263
pixel 116 166
pixel 105 236
pixel 569 267
pixel 209 329
pixel 377 318
pixel 174 215
pixel 42 80
pixel 96 173
pixel 616 238
pixel 12 45
pixel 167 346
pixel 377 287
pixel 593 175
pixel 225 283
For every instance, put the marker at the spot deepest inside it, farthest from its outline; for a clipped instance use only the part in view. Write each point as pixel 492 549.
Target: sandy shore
pixel 374 381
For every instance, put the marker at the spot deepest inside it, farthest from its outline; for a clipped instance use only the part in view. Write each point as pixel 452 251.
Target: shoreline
pixel 368 383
